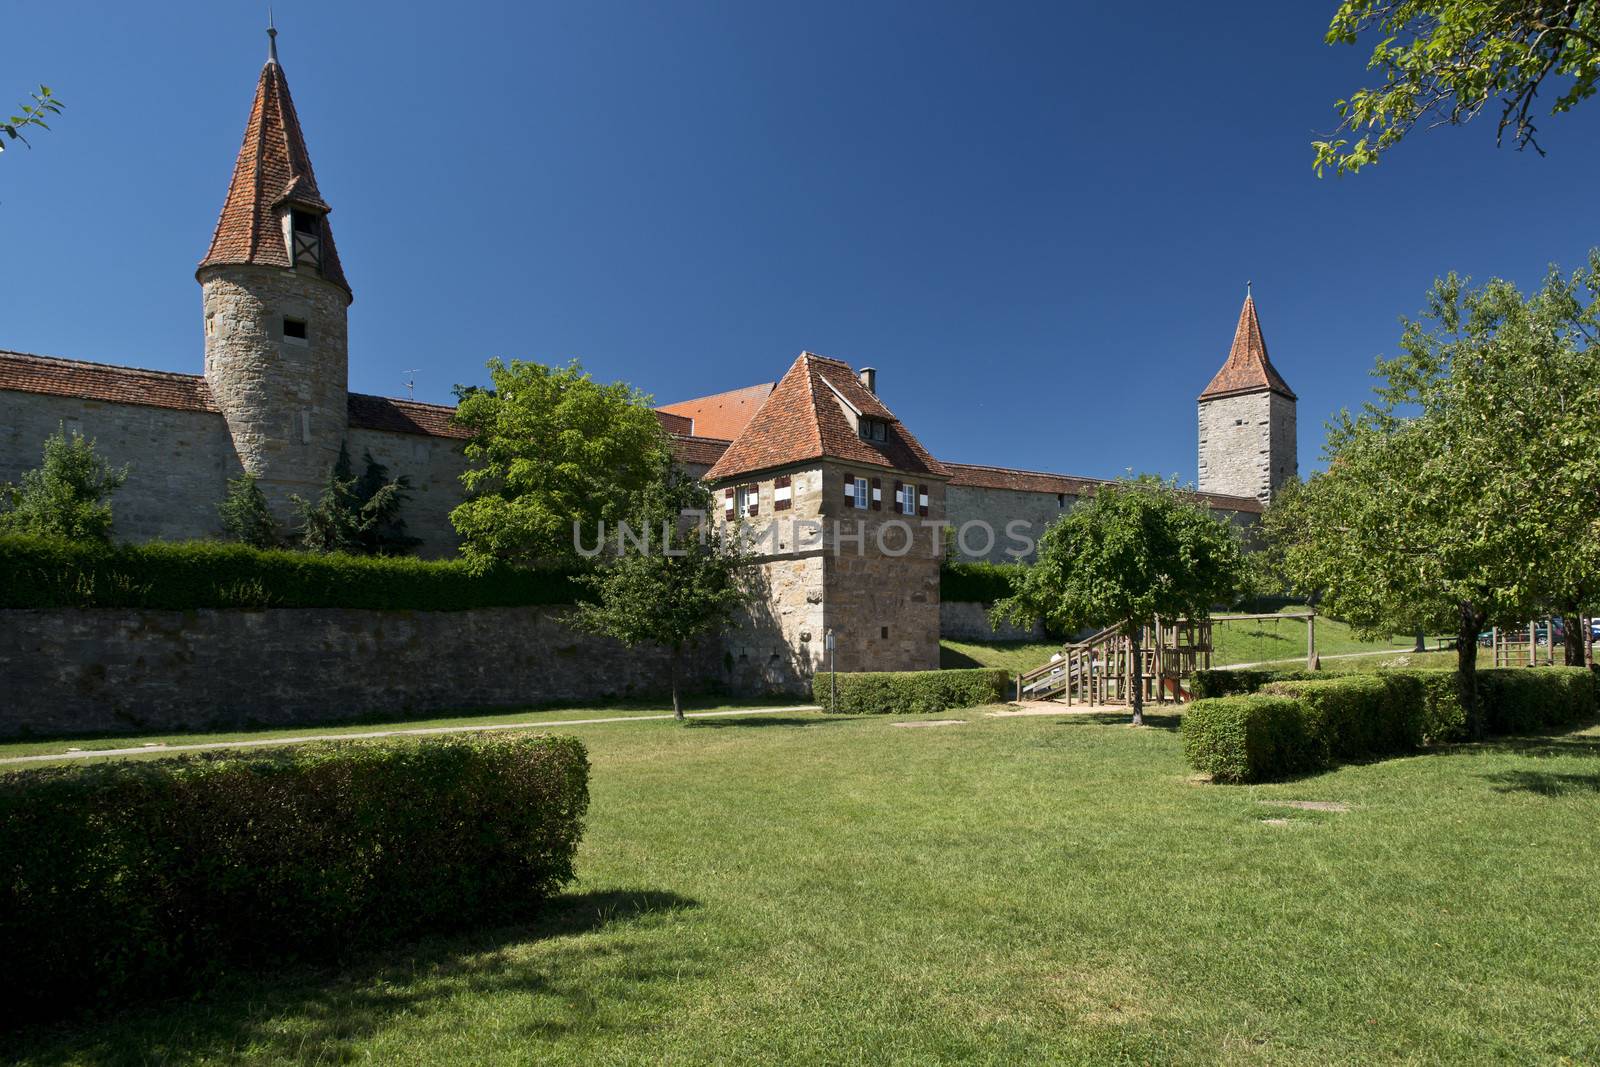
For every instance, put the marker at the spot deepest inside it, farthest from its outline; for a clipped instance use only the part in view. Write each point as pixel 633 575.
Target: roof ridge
pixel 1023 470
pixel 14 354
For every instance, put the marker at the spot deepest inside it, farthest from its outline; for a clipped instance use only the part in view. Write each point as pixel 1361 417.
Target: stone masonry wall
pixel 965 620
pixel 1247 444
pixel 178 461
pixel 882 603
pixel 776 642
pixel 999 508
pixel 434 465
pixel 285 399
pixel 96 671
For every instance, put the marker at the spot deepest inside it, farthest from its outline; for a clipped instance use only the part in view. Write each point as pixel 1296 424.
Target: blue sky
pixel 1036 221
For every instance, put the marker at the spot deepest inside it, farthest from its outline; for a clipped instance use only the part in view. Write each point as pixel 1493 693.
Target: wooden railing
pixel 1100 669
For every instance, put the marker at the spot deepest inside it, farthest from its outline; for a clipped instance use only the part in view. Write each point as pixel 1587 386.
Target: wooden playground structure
pixel 1102 668
pixel 1518 646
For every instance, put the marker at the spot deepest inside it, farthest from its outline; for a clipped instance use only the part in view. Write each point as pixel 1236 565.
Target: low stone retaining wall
pixel 967 621
pixel 105 670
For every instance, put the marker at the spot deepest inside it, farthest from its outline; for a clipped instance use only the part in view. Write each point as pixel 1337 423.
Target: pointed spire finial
pixel 272 37
pixel 1247 290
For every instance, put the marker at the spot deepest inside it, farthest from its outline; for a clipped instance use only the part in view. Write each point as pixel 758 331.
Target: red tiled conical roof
pixel 1248 369
pixel 273 168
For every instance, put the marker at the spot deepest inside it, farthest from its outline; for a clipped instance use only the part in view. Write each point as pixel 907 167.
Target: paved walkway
pixel 1338 655
pixel 424 731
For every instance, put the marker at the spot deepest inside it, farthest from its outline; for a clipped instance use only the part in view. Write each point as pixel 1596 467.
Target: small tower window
pixel 294 329
pixel 306 233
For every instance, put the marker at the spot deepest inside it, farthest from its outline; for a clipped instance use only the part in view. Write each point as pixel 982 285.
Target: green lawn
pixel 806 889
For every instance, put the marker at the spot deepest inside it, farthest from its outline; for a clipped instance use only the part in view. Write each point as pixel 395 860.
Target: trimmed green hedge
pixel 1523 700
pixel 977 583
pixel 893 692
pixel 1246 738
pixel 42 573
pixel 1240 681
pixel 129 879
pixel 1357 717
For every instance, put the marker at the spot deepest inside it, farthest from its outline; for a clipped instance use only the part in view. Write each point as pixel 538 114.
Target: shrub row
pixel 130 879
pixel 891 692
pixel 1524 700
pixel 1239 681
pixel 977 583
pixel 43 573
pixel 1295 727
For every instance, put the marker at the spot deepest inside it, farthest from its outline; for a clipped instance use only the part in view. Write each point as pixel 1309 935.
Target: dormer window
pixel 874 429
pixel 305 230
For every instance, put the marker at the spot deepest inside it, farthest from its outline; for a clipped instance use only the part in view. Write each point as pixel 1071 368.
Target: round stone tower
pixel 275 301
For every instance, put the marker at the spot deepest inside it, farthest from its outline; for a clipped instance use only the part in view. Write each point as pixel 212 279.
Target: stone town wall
pixel 96 671
pixel 178 462
pixel 965 620
pixel 434 465
pixel 997 509
pixel 284 397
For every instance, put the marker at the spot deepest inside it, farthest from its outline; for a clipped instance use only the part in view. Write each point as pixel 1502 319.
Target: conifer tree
pixel 246 518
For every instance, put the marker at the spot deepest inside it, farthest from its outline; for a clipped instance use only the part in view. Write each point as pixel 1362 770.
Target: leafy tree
pixel 246 518
pixel 1135 550
pixel 67 497
pixel 1444 61
pixel 1466 495
pixel 31 115
pixel 360 516
pixel 552 452
pixel 669 594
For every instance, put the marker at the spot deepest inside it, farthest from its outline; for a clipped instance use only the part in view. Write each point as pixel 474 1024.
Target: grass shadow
pixel 399 720
pixel 324 1013
pixel 763 720
pixel 1545 784
pixel 952 660
pixel 1158 720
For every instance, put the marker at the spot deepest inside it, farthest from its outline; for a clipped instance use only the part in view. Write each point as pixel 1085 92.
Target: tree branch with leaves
pixel 1444 61
pixel 30 116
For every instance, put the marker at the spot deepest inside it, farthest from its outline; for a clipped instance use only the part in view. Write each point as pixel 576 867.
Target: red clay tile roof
pixel 979 477
pixel 25 373
pixel 675 424
pixel 974 476
pixel 802 419
pixel 273 167
pixel 721 415
pixel 1247 369
pixel 700 451
pixel 404 416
